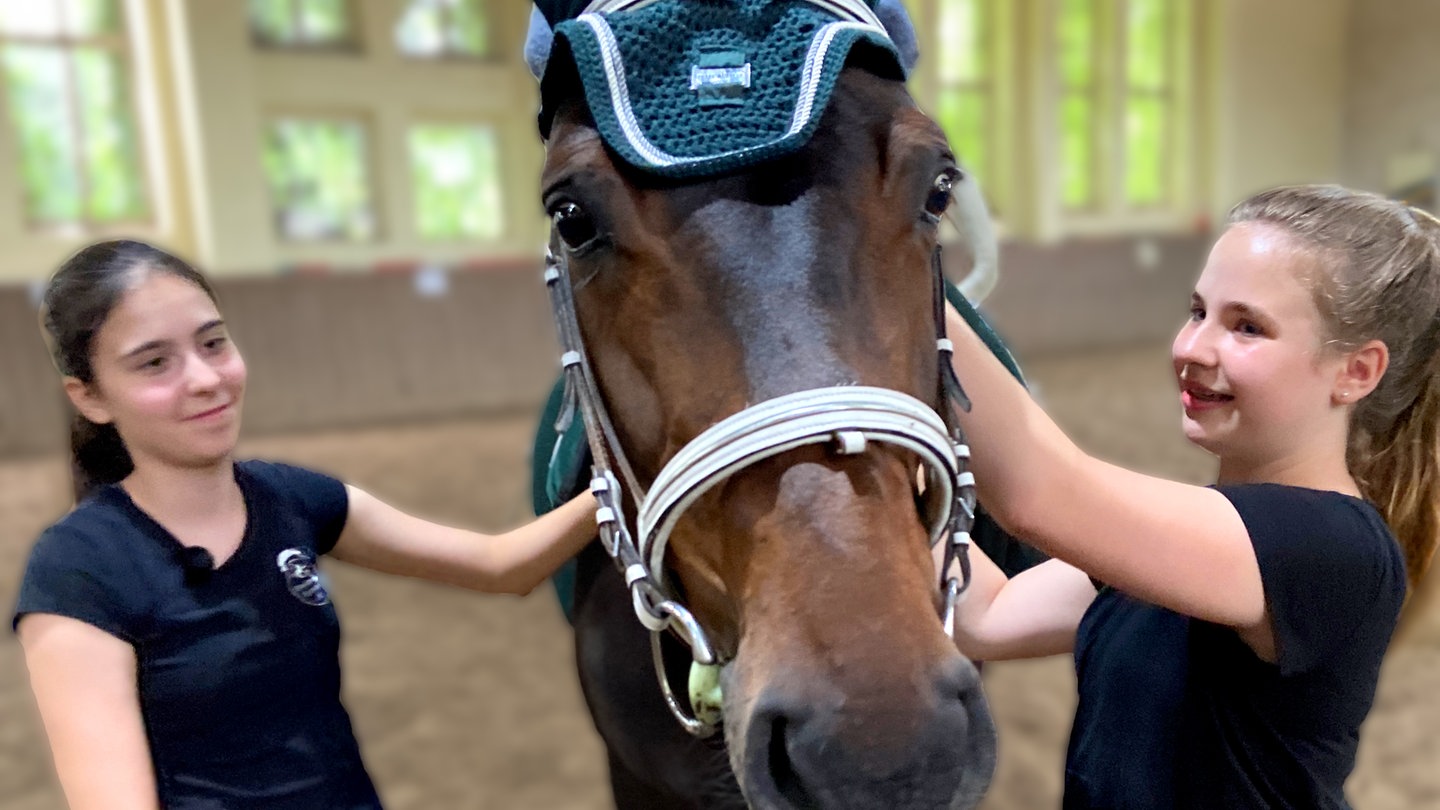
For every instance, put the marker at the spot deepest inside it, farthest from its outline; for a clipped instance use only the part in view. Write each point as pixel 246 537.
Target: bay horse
pixel 752 346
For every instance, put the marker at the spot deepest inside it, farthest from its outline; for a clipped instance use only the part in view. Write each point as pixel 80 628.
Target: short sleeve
pixel 1329 568
pixel 73 574
pixel 322 498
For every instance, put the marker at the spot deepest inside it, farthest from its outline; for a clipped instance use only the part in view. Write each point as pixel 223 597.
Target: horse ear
pixel 539 38
pixel 897 24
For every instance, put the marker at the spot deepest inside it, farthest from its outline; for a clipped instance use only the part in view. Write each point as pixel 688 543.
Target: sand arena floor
pixel 464 701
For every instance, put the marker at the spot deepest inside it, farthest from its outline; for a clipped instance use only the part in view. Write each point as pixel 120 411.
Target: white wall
pixel 1392 103
pixel 1279 77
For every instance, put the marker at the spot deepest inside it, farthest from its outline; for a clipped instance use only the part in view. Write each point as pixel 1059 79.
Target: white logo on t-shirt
pixel 302 578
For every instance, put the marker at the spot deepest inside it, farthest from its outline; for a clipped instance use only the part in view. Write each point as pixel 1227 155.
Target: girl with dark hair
pixel 181 644
pixel 1233 650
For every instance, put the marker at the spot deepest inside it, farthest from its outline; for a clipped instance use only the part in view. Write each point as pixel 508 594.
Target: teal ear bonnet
pixel 694 88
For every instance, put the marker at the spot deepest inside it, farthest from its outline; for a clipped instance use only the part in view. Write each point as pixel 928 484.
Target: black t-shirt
pixel 1178 712
pixel 239 674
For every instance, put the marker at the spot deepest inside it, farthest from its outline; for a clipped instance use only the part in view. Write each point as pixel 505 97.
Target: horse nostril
pixel 782 770
pixel 959 680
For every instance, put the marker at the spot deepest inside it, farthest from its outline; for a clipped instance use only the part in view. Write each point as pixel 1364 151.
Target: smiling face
pixel 1255 378
pixel 166 374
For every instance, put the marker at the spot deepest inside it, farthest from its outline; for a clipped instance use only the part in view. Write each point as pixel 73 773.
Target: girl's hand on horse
pixel 1037 613
pixel 382 538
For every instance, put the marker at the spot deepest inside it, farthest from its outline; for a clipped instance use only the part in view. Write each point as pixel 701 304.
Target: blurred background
pixel 360 178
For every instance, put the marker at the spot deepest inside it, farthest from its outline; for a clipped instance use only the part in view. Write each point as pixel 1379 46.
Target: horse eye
pixel 575 227
pixel 941 192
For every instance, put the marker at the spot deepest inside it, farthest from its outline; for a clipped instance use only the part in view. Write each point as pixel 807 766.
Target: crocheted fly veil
pixel 693 88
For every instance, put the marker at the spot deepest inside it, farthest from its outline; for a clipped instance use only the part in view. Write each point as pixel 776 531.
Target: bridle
pixel 844 418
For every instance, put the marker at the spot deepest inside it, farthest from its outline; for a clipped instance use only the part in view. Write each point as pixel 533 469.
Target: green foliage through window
pixel 66 73
pixel 456 172
pixel 1079 91
pixel 964 104
pixel 1149 101
pixel 292 23
pixel 1117 92
pixel 436 28
pixel 318 178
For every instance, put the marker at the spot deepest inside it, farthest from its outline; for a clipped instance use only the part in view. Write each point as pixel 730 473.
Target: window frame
pixel 1023 179
pixel 121 43
pixel 997 88
pixel 350 43
pixel 1112 211
pixel 489 54
pixel 368 164
pixel 497 133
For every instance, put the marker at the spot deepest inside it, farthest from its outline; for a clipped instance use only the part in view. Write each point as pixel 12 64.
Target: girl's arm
pixel 1175 545
pixel 85 685
pixel 382 538
pixel 1036 613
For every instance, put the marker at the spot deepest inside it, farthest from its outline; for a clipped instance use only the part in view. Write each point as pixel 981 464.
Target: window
pixel 301 23
pixel 965 45
pixel 68 83
pixel 1150 74
pixel 1078 57
pixel 444 28
pixel 1119 66
pixel 456 170
pixel 1075 115
pixel 319 179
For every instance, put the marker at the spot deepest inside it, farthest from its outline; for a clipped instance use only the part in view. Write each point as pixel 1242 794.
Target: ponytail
pixel 1400 473
pixel 97 457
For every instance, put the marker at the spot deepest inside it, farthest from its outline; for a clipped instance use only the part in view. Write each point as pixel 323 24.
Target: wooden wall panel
pixel 333 351
pixel 336 351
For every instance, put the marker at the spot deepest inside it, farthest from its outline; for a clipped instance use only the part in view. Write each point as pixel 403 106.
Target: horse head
pixel 718 293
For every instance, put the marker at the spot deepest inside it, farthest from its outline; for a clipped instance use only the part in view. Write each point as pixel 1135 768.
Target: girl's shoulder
pixel 97 524
pixel 284 477
pixel 1316 513
pixel 319 500
pixel 1331 569
pixel 93 565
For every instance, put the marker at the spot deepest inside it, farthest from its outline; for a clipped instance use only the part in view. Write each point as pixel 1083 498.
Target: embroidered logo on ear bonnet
pixel 302 578
pixel 689 88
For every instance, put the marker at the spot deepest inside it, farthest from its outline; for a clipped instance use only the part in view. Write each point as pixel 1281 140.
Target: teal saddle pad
pixel 560 467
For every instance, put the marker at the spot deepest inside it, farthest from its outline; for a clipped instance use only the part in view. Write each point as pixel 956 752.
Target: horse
pixel 753 340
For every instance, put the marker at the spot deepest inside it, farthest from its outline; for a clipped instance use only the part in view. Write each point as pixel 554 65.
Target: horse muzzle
pixel 804 745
